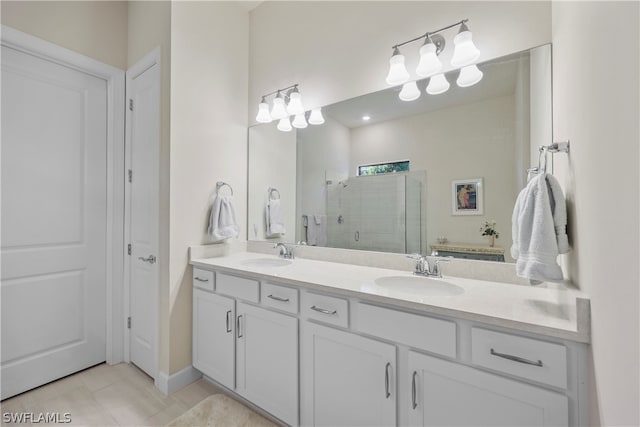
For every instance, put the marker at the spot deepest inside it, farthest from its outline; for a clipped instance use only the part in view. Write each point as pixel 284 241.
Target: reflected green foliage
pixel 383 168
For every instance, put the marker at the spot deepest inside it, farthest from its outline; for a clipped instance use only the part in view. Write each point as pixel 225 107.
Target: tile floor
pixel 118 395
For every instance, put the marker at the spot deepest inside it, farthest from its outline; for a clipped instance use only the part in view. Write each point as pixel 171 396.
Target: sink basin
pixel 420 285
pixel 266 262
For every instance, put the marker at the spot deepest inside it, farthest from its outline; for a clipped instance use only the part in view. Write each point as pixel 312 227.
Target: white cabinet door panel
pixel 267 360
pixel 349 380
pixel 449 394
pixel 213 336
pixel 54 199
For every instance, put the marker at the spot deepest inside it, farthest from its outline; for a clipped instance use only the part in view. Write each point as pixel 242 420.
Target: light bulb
pixel 469 76
pixel 465 52
pixel 429 63
pixel 299 121
pixel 295 103
pixel 409 92
pixel 315 118
pixel 398 73
pixel 263 112
pixel 438 84
pixel 278 111
pixel 284 124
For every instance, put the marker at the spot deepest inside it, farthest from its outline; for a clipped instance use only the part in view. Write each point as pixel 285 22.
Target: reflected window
pixel 382 168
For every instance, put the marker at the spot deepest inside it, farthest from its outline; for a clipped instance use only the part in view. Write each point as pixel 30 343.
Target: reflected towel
pixel 274 221
pixel 317 230
pixel 222 221
pixel 539 225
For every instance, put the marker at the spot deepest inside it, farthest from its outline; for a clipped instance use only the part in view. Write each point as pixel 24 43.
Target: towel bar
pixel 271 190
pixel 221 184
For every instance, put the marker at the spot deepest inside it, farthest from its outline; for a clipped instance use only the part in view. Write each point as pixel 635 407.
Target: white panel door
pixel 54 134
pixel 213 339
pixel 449 394
pixel 143 142
pixel 267 360
pixel 349 380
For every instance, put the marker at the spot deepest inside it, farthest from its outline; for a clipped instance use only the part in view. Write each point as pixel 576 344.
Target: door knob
pixel 151 259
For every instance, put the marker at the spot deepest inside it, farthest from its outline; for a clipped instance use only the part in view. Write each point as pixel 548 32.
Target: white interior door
pixel 143 145
pixel 54 199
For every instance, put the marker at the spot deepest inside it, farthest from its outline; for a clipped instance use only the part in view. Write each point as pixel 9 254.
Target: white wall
pixel 339 50
pixel 209 75
pixel 449 149
pixel 596 106
pixel 93 28
pixel 272 163
pixel 322 153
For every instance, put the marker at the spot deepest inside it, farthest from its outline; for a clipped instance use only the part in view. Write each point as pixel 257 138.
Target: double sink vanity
pixel 314 342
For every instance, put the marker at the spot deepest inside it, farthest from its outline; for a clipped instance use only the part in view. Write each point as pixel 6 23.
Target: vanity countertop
pixel 554 310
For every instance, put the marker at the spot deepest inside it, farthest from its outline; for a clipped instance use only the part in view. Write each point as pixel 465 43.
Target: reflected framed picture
pixel 467 197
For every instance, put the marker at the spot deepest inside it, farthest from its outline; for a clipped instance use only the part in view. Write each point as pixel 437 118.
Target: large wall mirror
pixel 388 175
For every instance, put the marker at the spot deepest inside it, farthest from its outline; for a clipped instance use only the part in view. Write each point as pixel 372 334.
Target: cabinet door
pixel 348 380
pixel 213 340
pixel 449 394
pixel 267 360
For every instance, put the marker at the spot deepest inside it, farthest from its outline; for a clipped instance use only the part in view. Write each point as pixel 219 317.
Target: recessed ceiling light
pixel 365 118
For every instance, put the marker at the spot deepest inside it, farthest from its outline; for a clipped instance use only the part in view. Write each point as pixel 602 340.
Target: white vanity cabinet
pixel 347 380
pixel 267 360
pixel 444 393
pixel 213 339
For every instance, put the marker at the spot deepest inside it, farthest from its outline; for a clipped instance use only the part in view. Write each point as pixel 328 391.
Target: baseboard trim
pixel 170 383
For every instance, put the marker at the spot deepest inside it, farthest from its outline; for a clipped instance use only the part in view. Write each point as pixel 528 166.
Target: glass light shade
pixel 316 118
pixel 398 73
pixel 284 124
pixel 409 92
pixel 429 63
pixel 299 121
pixel 278 111
pixel 263 113
pixel 469 76
pixel 437 84
pixel 295 104
pixel 465 52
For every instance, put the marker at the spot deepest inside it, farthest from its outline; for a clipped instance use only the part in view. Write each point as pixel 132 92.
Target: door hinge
pixel 129 322
pixel 129 249
pixel 131 105
pixel 130 175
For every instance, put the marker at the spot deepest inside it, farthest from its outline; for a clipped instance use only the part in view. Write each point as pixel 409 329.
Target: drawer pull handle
pixel 238 327
pixel 199 279
pixel 387 393
pixel 278 298
pixel 229 321
pixel 323 310
pixel 516 358
pixel 414 403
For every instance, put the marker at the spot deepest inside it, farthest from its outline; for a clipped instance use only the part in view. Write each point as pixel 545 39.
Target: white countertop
pixel 554 310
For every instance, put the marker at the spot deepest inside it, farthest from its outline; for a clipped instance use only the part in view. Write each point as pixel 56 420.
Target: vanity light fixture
pixel 287 102
pixel 465 55
pixel 316 118
pixel 410 91
pixel 284 124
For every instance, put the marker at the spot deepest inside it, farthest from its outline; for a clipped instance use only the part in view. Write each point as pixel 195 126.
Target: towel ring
pixel 221 184
pixel 271 191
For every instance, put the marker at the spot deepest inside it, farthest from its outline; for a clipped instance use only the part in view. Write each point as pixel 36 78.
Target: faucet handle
pixel 436 267
pixel 415 256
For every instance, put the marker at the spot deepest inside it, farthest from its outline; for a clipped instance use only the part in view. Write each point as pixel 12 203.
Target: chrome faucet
pixel 422 267
pixel 285 251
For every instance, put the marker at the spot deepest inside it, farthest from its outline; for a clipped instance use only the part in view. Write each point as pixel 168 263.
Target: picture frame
pixel 467 197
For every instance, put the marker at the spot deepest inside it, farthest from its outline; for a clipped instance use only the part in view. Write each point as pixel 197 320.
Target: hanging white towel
pixel 539 225
pixel 275 223
pixel 222 221
pixel 320 222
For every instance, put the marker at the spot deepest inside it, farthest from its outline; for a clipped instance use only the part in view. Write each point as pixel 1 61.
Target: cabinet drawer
pixel 280 297
pixel 426 333
pixel 239 287
pixel 539 361
pixel 326 309
pixel 203 279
